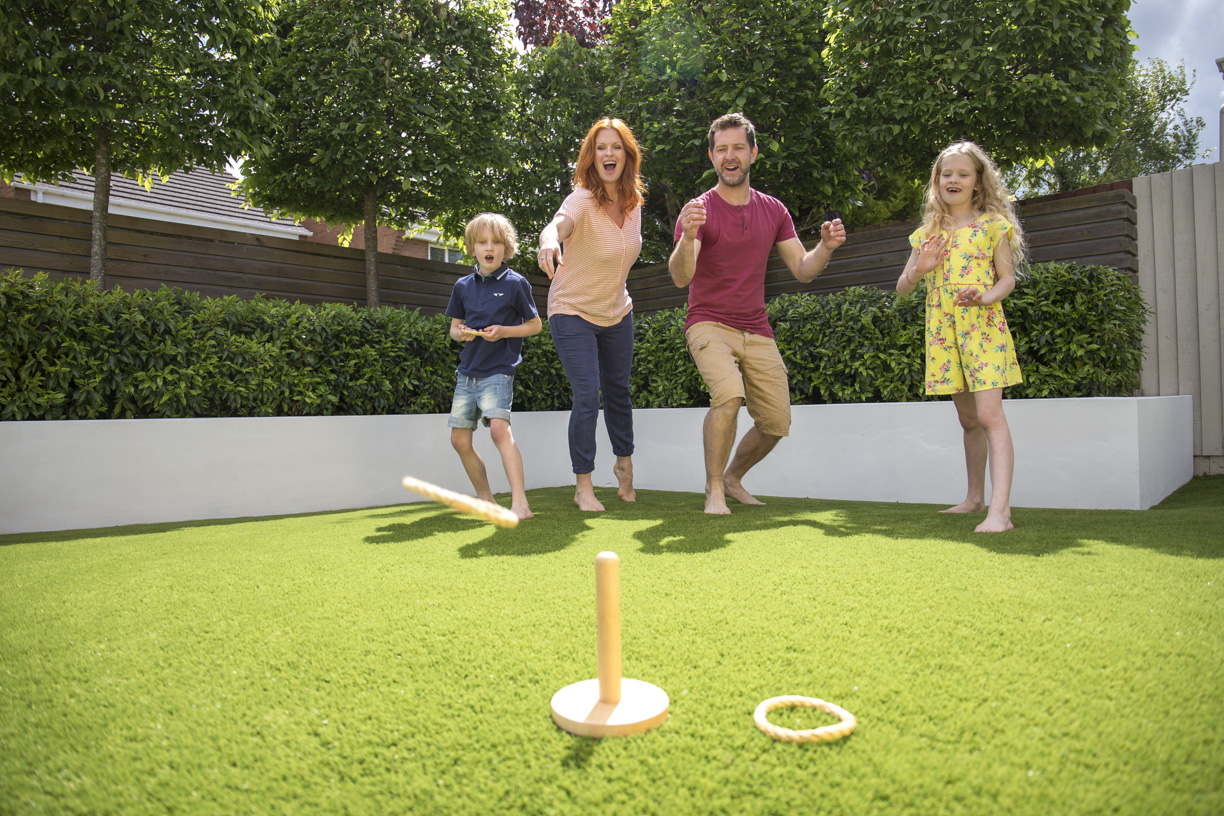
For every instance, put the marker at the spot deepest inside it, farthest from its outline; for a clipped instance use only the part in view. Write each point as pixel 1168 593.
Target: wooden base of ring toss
pixel 488 511
pixel 822 734
pixel 609 706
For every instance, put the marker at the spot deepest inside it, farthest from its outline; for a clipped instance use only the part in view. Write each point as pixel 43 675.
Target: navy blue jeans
pixel 597 360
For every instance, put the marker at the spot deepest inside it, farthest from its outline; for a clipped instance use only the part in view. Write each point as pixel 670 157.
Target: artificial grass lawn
pixel 401 660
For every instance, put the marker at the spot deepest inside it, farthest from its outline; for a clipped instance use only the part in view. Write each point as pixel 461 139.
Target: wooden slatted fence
pixel 144 254
pixel 1181 273
pixel 1097 228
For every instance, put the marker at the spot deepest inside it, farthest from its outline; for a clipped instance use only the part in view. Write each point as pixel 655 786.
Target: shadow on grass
pixel 662 523
pixel 1188 523
pixel 152 528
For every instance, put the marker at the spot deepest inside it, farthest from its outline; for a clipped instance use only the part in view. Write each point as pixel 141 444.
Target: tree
pixel 385 109
pixel 560 94
pixel 134 88
pixel 677 65
pixel 1154 134
pixel 541 22
pixel 1023 79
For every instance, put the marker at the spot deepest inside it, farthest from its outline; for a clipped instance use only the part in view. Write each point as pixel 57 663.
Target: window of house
pixel 445 254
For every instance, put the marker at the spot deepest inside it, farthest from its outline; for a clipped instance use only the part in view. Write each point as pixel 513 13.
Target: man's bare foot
pixel 736 491
pixel 716 503
pixel 522 511
pixel 967 507
pixel 587 501
pixel 623 471
pixel 995 523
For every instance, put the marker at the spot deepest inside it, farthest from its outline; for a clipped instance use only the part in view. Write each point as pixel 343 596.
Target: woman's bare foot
pixel 967 507
pixel 586 501
pixel 996 523
pixel 623 471
pixel 736 491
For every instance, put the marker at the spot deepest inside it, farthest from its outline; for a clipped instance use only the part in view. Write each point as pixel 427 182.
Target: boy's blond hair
pixel 494 224
pixel 990 197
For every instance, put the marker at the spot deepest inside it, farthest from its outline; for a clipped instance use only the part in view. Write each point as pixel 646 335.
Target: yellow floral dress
pixel 968 347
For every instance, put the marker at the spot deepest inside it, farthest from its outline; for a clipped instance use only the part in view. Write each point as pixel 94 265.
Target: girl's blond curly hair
pixel 991 196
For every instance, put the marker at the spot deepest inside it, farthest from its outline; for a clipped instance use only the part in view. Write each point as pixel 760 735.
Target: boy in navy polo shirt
pixel 491 311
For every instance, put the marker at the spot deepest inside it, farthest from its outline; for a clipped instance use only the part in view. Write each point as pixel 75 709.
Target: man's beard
pixel 737 182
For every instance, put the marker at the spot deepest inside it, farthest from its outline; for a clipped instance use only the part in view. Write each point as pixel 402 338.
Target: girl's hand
pixel 970 296
pixel 931 253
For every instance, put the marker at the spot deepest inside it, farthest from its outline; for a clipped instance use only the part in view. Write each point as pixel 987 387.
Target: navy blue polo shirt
pixel 503 298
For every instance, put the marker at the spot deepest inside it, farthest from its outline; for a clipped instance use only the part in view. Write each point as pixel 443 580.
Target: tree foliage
pixel 134 88
pixel 1023 79
pixel 384 110
pixel 559 93
pixel 676 65
pixel 1154 134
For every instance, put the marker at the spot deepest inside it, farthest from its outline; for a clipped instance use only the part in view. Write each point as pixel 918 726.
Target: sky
pixel 1191 31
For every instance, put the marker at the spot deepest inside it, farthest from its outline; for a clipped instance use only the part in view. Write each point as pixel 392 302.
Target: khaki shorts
pixel 740 364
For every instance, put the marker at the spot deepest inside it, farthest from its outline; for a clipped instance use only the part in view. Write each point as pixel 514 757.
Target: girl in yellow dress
pixel 967 249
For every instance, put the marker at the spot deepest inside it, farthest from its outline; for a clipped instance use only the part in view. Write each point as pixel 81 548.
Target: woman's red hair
pixel 586 174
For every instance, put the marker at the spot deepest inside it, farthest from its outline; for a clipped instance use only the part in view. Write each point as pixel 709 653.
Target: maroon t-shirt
pixel 728 286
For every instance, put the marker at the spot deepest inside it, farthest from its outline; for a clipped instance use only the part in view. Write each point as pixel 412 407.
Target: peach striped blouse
pixel 598 255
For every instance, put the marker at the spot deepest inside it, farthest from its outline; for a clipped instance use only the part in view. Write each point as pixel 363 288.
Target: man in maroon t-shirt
pixel 723 240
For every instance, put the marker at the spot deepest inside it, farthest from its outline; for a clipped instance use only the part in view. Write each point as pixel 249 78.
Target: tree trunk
pixel 101 206
pixel 371 247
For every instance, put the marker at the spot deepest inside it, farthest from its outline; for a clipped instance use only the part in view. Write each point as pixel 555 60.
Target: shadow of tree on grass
pixel 661 522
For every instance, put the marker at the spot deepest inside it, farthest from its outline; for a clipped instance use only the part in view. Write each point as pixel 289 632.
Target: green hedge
pixel 69 350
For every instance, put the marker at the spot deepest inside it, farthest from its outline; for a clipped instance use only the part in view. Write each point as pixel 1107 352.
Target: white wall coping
pixel 1100 453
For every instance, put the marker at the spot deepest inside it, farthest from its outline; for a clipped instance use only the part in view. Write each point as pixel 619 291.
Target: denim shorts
pixel 483 398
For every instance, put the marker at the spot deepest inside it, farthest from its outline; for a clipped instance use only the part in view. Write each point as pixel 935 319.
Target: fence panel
pixel 1181 270
pixel 1096 228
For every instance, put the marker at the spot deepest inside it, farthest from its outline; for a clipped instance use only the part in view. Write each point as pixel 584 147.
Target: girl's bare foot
pixel 522 511
pixel 995 523
pixel 967 507
pixel 623 471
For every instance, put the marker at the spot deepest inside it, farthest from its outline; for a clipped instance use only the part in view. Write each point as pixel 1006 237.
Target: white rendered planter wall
pixel 1109 453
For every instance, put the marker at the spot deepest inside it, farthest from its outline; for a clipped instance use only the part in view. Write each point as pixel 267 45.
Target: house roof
pixel 199 197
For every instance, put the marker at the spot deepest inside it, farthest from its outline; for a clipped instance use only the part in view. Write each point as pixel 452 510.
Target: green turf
pixel 401 660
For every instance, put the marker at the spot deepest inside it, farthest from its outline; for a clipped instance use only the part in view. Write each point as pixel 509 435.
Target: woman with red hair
pixel 590 314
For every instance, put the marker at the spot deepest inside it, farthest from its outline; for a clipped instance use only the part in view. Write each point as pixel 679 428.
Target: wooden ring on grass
pixel 822 734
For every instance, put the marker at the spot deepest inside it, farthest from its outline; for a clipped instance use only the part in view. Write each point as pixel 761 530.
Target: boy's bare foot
pixel 489 497
pixel 623 471
pixel 587 501
pixel 995 523
pixel 736 491
pixel 967 507
pixel 522 511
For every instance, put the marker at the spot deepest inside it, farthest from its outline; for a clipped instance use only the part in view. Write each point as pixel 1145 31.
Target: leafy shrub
pixel 69 350
pixel 1078 331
